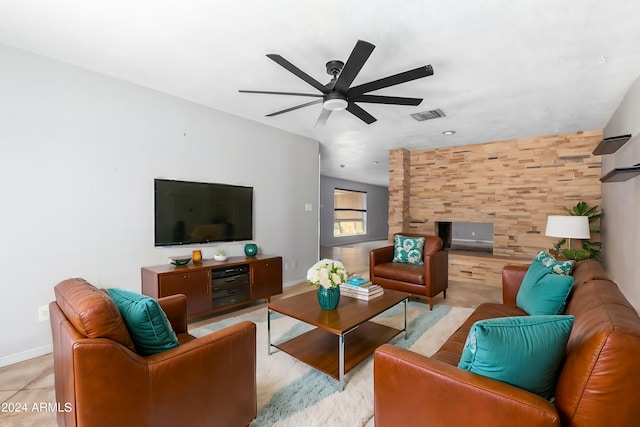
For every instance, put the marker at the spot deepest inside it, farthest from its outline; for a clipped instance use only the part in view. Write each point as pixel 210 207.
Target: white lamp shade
pixel 568 226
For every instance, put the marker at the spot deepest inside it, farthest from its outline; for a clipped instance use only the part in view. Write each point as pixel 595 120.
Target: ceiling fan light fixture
pixel 339 94
pixel 335 104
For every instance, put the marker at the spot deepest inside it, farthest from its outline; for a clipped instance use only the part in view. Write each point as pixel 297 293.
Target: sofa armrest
pixel 411 390
pixel 175 307
pixel 512 276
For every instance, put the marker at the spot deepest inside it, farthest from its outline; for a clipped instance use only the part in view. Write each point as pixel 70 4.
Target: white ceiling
pixel 502 68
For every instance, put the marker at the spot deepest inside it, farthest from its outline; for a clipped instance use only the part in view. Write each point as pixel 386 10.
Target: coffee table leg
pixel 341 356
pixel 405 318
pixel 268 332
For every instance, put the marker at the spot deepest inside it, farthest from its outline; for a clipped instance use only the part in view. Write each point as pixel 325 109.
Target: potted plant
pixel 592 248
pixel 576 254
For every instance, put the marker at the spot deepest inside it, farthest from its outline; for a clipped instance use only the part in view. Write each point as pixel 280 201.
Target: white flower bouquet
pixel 327 273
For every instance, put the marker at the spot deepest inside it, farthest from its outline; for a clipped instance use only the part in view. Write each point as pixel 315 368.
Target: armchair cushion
pixel 147 323
pixel 408 250
pixel 525 351
pixel 410 273
pixel 543 292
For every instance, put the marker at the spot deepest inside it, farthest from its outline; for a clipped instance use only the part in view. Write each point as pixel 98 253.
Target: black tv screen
pixel 198 212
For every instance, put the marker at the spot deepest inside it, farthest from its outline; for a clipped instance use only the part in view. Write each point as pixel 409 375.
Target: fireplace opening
pixel 466 236
pixel 444 232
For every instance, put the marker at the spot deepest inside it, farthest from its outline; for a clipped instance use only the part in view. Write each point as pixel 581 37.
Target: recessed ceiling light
pixel 448 132
pixel 342 166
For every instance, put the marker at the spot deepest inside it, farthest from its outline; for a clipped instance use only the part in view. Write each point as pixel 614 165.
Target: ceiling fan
pixel 338 95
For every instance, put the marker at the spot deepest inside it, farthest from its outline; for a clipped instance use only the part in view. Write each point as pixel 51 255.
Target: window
pixel 349 213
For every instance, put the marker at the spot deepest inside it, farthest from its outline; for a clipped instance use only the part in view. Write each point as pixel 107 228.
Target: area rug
pixel 292 394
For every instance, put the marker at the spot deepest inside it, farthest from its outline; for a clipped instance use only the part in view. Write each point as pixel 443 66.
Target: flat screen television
pixel 199 212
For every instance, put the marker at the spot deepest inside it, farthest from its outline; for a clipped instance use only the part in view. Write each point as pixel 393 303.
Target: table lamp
pixel 568 227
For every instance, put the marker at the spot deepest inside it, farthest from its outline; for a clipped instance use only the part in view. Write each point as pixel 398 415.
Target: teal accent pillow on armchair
pixel 147 323
pixel 408 250
pixel 543 292
pixel 525 351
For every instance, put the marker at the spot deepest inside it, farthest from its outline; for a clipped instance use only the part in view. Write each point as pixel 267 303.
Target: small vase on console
pixel 250 249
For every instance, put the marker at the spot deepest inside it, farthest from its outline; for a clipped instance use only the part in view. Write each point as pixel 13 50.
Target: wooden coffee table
pixel 343 337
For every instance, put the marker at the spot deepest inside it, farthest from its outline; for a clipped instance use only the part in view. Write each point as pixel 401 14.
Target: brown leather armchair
pixel 426 280
pixel 101 381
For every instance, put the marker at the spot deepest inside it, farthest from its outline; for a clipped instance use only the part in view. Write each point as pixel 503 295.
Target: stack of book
pixel 357 287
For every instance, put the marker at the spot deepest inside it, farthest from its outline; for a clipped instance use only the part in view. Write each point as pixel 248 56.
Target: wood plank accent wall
pixel 399 186
pixel 514 184
pixel 480 269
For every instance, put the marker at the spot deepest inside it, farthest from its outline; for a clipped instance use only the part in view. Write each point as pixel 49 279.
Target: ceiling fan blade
pixel 379 99
pixel 298 72
pixel 360 113
pixel 354 64
pixel 267 92
pixel 317 101
pixel 396 79
pixel 322 119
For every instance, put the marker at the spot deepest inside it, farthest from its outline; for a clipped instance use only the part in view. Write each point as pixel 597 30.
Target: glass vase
pixel 328 297
pixel 250 249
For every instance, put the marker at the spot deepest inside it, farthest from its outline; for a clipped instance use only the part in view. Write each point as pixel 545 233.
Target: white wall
pixel 621 201
pixel 79 152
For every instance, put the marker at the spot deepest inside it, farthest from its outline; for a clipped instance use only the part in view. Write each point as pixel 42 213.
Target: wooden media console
pixel 213 286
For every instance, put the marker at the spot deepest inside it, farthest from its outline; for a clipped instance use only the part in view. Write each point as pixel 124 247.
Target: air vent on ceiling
pixel 428 115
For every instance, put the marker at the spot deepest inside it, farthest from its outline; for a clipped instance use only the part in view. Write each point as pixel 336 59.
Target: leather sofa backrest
pixel 600 375
pixel 588 270
pixel 91 311
pixel 432 244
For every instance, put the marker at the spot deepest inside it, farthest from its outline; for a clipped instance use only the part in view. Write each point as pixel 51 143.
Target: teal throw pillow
pixel 524 351
pixel 558 267
pixel 148 325
pixel 542 291
pixel 408 250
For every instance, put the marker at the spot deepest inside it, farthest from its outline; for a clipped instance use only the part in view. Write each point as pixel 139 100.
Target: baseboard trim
pixel 25 355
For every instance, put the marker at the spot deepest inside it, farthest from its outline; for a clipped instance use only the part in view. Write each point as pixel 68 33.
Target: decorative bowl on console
pixel 220 255
pixel 179 260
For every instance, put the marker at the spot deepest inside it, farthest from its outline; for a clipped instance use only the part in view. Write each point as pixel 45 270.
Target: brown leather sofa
pixel 101 381
pixel 598 384
pixel 426 280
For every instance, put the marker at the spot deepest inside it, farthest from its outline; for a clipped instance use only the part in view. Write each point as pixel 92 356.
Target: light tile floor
pixel 27 385
pixel 23 385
